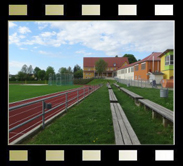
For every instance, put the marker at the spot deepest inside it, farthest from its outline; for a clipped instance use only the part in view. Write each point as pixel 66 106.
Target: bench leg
pixel 145 108
pixel 154 114
pixel 166 122
pixel 136 102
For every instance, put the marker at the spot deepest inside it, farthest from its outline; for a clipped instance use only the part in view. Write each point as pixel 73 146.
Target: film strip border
pixel 91 155
pixel 90 10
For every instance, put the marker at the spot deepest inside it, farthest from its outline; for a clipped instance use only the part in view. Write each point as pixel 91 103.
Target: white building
pixel 126 72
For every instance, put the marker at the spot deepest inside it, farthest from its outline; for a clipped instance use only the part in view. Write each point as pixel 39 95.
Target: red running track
pixel 22 114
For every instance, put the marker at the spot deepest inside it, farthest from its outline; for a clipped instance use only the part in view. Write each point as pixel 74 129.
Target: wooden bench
pixel 109 86
pixel 124 133
pixel 135 96
pixel 116 85
pixel 167 115
pixel 112 96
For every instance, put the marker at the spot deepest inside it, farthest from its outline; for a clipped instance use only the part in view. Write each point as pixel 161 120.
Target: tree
pixel 69 70
pixel 36 70
pixel 21 76
pixel 24 69
pixel 76 68
pixel 49 70
pixel 116 56
pixel 30 70
pixel 100 66
pixel 139 59
pixel 62 70
pixel 131 58
pixel 41 74
pixel 78 74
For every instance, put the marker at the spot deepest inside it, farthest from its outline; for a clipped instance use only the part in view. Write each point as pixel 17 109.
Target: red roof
pixel 148 58
pixel 119 61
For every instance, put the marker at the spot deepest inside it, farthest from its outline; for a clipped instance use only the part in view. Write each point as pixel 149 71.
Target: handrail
pixel 32 102
pixel 43 113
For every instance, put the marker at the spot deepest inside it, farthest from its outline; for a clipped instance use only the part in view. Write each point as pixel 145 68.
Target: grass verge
pixel 101 81
pixel 89 122
pixel 153 95
pixel 21 92
pixel 148 130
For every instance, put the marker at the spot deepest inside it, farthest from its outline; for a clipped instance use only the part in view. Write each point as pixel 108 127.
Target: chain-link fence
pixel 143 83
pixel 60 79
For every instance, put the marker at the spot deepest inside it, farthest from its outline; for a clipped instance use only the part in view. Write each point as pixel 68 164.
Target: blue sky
pixel 65 43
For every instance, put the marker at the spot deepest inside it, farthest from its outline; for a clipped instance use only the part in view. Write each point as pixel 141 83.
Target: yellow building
pixel 167 61
pixel 113 64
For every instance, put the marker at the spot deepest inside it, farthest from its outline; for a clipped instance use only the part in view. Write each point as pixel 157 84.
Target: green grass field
pixel 148 130
pixel 153 95
pixel 89 122
pixel 21 92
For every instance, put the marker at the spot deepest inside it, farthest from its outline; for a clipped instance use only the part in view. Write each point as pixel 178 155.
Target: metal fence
pixel 138 83
pixel 34 113
pixel 60 79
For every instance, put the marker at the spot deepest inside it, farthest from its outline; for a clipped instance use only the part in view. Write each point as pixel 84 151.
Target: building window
pixel 143 66
pixel 132 69
pixel 111 68
pixel 128 70
pixel 169 60
pixel 136 67
pixel 114 64
pixel 88 69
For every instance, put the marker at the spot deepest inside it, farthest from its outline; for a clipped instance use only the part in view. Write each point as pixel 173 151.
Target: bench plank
pixel 124 131
pixel 121 123
pixel 117 132
pixel 133 136
pixel 132 94
pixel 112 96
pixel 168 114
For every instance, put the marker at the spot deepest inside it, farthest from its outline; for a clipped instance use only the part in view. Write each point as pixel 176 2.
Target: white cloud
pixel 23 48
pixel 23 30
pixel 48 34
pixel 110 37
pixel 14 39
pixel 52 54
pixel 83 52
pixel 11 24
pixel 41 25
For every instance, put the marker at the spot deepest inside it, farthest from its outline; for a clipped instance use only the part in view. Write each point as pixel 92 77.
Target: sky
pixel 65 43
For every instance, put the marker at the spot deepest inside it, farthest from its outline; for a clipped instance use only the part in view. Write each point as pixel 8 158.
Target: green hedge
pixel 82 81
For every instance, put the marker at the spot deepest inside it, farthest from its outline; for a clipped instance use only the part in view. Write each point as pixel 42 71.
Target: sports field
pixel 21 92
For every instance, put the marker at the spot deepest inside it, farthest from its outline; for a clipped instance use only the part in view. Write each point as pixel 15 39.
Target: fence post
pixel 84 93
pixel 66 101
pixel 43 113
pixel 77 96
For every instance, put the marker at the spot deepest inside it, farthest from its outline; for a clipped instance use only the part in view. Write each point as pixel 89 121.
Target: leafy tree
pixel 78 74
pixel 139 59
pixel 35 72
pixel 76 68
pixel 30 70
pixel 49 70
pixel 131 58
pixel 41 74
pixel 69 70
pixel 62 70
pixel 24 69
pixel 21 76
pixel 100 66
pixel 116 56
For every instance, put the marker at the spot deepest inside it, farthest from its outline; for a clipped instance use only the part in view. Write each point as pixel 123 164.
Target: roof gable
pixel 119 61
